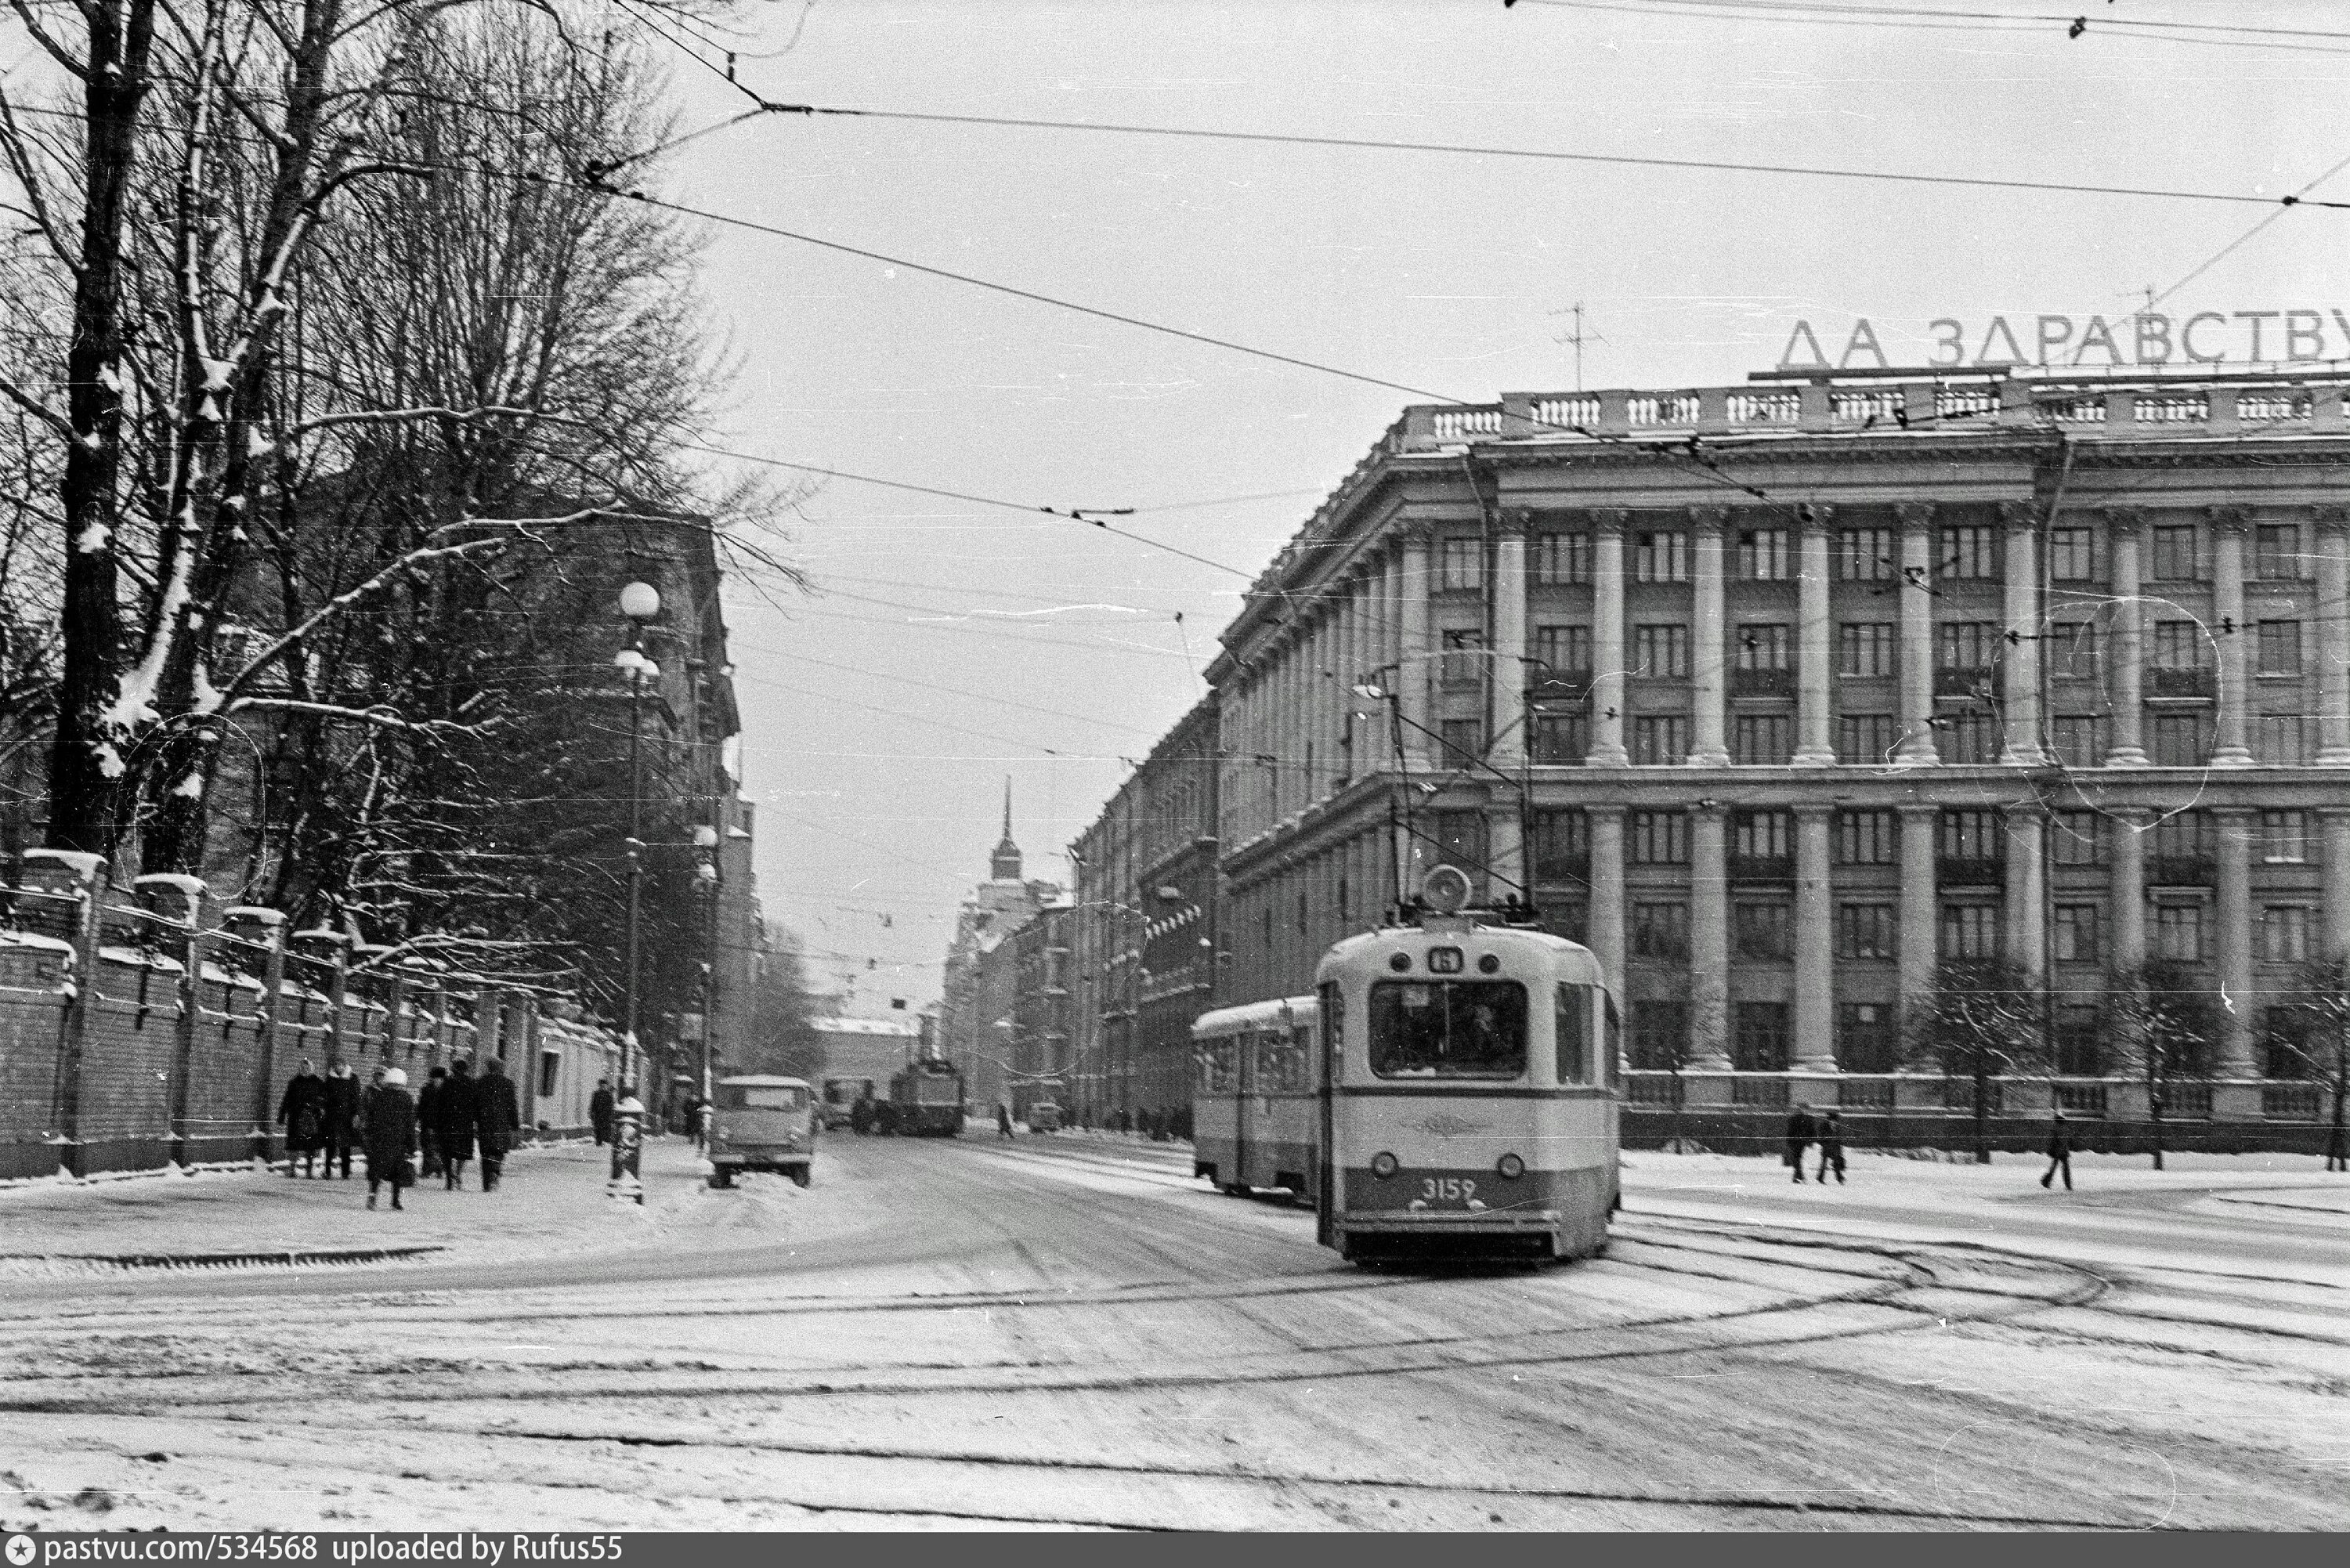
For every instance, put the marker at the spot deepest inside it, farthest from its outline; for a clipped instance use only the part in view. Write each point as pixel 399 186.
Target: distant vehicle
pixel 840 1098
pixel 926 1099
pixel 762 1123
pixel 1043 1115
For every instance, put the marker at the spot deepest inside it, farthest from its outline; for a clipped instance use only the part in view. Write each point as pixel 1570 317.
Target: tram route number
pixel 1447 1189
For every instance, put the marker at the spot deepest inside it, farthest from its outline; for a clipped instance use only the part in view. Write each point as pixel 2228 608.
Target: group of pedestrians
pixel 1827 1132
pixel 453 1119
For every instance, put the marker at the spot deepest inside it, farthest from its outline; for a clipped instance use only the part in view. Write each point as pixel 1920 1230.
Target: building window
pixel 1766 645
pixel 2181 644
pixel 1970 554
pixel 2182 836
pixel 1562 740
pixel 1866 931
pixel 1559 559
pixel 2284 933
pixel 1763 931
pixel 2072 650
pixel 1659 838
pixel 1763 555
pixel 1865 556
pixel 1864 738
pixel 2072 557
pixel 2076 837
pixel 1759 1037
pixel 2181 739
pixel 1865 648
pixel 2079 1050
pixel 2178 934
pixel 2175 555
pixel 1465 741
pixel 1966 644
pixel 1972 835
pixel 1866 838
pixel 2281 740
pixel 1562 844
pixel 1971 931
pixel 1660 557
pixel 2080 739
pixel 1661 650
pixel 1459 837
pixel 1865 1037
pixel 2284 838
pixel 2276 552
pixel 2280 648
pixel 1460 566
pixel 1563 652
pixel 1659 1034
pixel 1660 931
pixel 1970 736
pixel 1464 659
pixel 2074 933
pixel 1762 836
pixel 1660 741
pixel 1762 740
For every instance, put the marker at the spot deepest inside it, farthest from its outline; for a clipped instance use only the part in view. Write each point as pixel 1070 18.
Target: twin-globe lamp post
pixel 640 602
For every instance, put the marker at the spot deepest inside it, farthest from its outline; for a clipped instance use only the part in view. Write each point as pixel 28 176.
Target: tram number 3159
pixel 1447 1189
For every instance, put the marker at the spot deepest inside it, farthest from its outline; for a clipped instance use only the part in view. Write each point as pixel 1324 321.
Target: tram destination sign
pixel 2147 337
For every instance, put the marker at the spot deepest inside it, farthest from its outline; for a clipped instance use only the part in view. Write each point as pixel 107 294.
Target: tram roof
pixel 1468 930
pixel 1257 1015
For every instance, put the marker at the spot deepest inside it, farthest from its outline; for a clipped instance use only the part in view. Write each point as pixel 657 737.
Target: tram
pixel 926 1099
pixel 1461 1097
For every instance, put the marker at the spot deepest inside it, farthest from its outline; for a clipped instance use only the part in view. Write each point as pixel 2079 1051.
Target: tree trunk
pixel 2154 1116
pixel 1982 1114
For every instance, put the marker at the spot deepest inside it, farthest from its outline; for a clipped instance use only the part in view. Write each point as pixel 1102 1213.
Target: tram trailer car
pixel 926 1098
pixel 1472 1107
pixel 1256 1102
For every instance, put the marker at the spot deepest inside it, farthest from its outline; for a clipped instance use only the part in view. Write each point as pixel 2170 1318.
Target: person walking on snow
pixel 1830 1139
pixel 497 1121
pixel 1800 1133
pixel 1002 1120
pixel 303 1114
pixel 342 1121
pixel 2060 1152
pixel 455 1123
pixel 428 1118
pixel 599 1111
pixel 390 1138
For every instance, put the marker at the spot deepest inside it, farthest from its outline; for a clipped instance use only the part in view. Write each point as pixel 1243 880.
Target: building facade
pixel 1784 696
pixel 975 1002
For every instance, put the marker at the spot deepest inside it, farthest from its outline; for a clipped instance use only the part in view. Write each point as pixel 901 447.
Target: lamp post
pixel 639 603
pixel 706 881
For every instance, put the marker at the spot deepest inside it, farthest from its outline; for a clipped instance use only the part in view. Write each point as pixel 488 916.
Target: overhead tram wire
pixel 1827 11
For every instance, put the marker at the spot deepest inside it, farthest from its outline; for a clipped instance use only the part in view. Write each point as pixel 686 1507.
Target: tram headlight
pixel 1489 964
pixel 1399 962
pixel 1510 1167
pixel 1384 1165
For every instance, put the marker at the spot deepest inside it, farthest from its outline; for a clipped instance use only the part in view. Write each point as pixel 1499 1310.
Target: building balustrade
pixel 2114 1100
pixel 1969 871
pixel 1965 680
pixel 2164 684
pixel 1762 683
pixel 1762 868
pixel 2292 1102
pixel 2182 871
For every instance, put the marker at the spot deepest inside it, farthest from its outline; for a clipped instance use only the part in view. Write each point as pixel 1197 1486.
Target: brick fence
pixel 135 1033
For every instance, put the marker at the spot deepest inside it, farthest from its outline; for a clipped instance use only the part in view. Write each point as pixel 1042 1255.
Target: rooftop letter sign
pixel 2147 337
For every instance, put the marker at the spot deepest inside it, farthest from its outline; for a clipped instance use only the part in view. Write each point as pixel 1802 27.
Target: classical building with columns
pixel 1781 695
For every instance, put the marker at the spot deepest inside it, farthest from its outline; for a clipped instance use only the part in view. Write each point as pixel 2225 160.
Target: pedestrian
pixel 1800 1133
pixel 342 1122
pixel 1002 1120
pixel 861 1115
pixel 2060 1152
pixel 497 1120
pixel 303 1113
pixel 1830 1139
pixel 692 1121
pixel 389 1134
pixel 599 1111
pixel 428 1118
pixel 458 1105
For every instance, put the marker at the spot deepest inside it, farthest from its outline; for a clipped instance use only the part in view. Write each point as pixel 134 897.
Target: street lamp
pixel 706 883
pixel 640 602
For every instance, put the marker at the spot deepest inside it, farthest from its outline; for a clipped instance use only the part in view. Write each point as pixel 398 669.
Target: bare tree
pixel 2163 1020
pixel 2320 998
pixel 1982 1019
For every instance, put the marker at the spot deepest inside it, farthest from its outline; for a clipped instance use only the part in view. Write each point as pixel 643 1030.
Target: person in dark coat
pixel 599 1111
pixel 2060 1152
pixel 389 1134
pixel 497 1120
pixel 460 1102
pixel 342 1126
pixel 1800 1133
pixel 428 1118
pixel 303 1114
pixel 1002 1120
pixel 861 1115
pixel 1831 1140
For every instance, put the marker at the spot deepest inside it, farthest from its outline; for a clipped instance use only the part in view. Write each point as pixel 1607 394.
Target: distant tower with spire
pixel 1003 865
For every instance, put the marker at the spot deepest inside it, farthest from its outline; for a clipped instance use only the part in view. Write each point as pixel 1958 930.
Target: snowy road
pixel 1069 1332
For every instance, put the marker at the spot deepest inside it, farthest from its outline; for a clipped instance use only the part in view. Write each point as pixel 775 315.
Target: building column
pixel 2334 865
pixel 1918 901
pixel 1607 640
pixel 1604 920
pixel 2235 901
pixel 2026 915
pixel 2019 605
pixel 1505 854
pixel 1815 742
pixel 1917 747
pixel 1814 943
pixel 1709 941
pixel 1508 716
pixel 2128 889
pixel 1415 668
pixel 2332 637
pixel 1709 634
pixel 2123 528
pixel 1342 684
pixel 2234 639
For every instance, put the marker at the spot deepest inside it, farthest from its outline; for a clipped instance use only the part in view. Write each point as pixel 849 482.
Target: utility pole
pixel 1578 337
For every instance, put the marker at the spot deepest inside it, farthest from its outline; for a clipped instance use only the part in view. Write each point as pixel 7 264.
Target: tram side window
pixel 1448 1029
pixel 1219 1066
pixel 1280 1063
pixel 1574 1034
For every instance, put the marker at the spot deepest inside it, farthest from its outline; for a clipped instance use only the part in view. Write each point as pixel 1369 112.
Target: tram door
pixel 1332 1039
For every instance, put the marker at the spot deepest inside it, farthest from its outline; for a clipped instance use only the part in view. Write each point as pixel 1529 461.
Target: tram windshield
pixel 1448 1029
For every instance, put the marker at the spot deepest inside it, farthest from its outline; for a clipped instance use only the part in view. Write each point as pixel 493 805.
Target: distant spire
pixel 1007 808
pixel 1003 865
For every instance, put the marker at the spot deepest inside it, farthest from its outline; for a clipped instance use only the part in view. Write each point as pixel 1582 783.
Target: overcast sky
pixel 951 645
